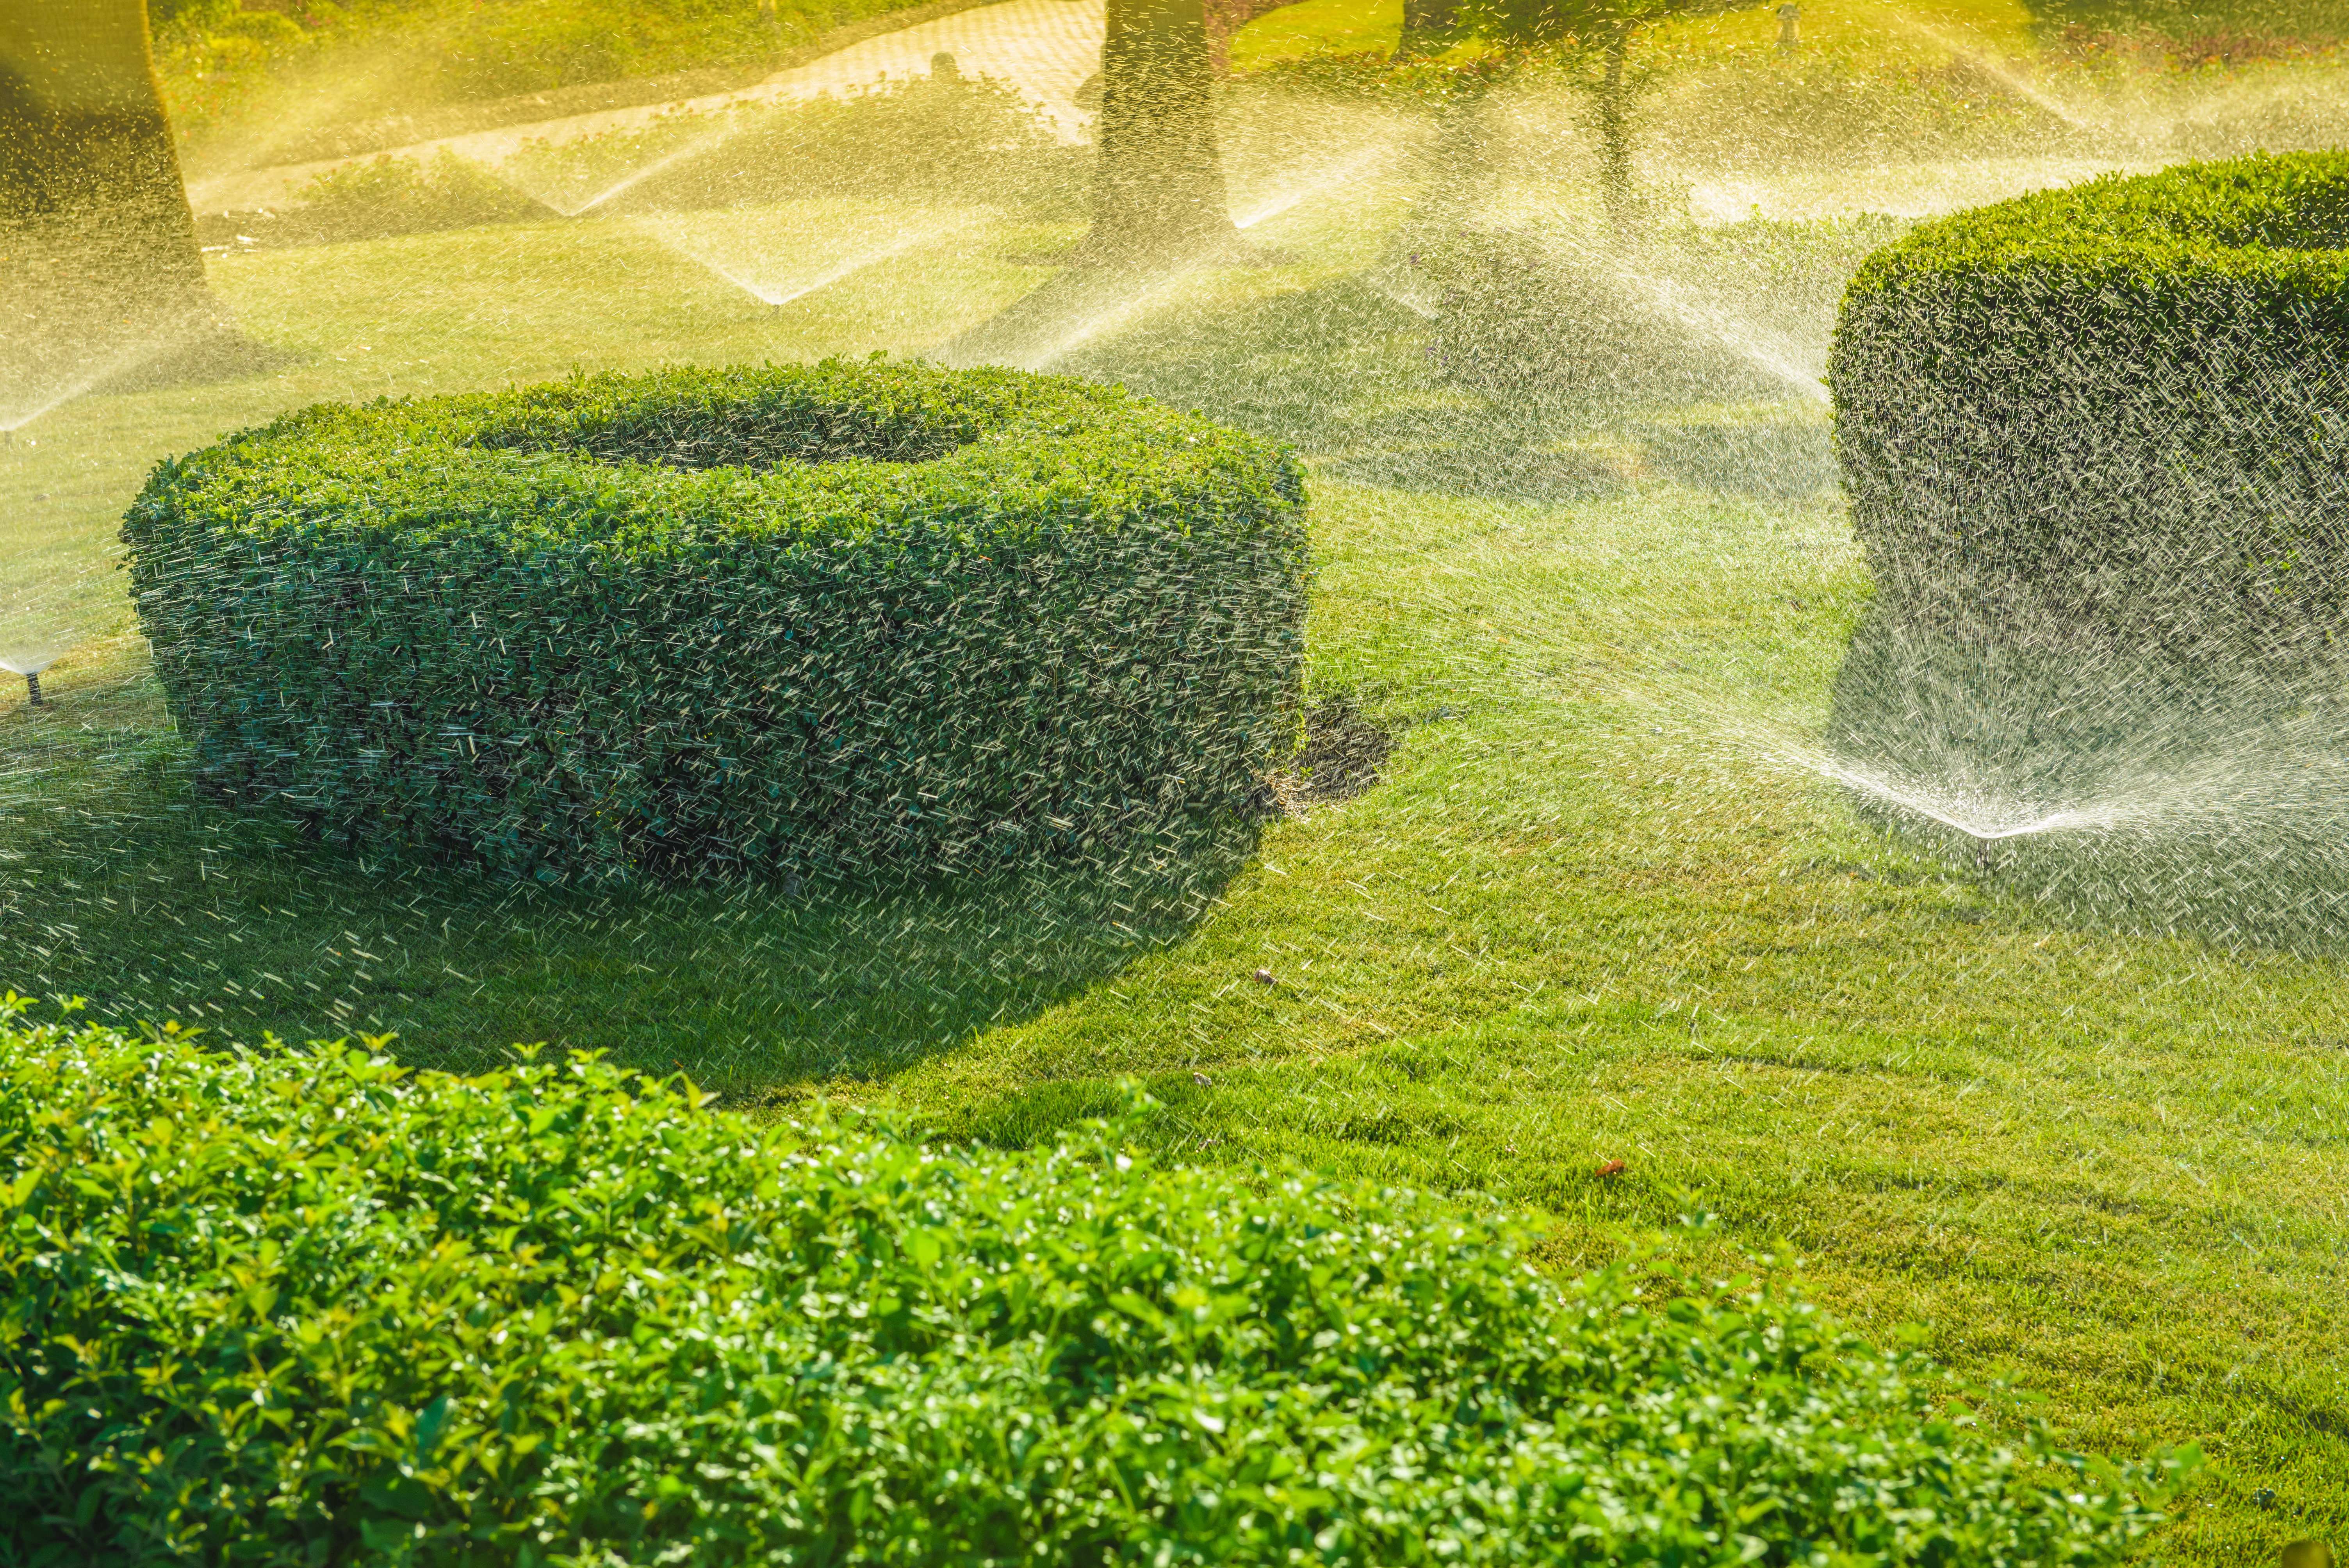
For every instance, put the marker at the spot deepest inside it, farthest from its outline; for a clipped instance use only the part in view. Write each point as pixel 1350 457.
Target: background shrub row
pixel 2116 409
pixel 303 1308
pixel 834 616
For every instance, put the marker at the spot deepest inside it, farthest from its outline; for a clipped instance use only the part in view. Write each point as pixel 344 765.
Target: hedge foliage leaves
pixel 2123 401
pixel 826 616
pixel 301 1306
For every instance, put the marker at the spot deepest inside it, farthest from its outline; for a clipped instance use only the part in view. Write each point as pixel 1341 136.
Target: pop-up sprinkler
pixel 30 664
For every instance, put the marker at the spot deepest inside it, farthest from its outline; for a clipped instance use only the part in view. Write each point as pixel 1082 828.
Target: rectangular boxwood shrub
pixel 2118 411
pixel 299 1307
pixel 838 617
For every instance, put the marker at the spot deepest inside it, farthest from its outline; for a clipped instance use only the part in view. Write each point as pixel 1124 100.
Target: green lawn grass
pixel 1317 26
pixel 1584 917
pixel 1877 27
pixel 1871 32
pixel 236 75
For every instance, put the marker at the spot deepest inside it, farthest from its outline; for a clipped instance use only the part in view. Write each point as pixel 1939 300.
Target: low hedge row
pixel 834 616
pixel 302 1307
pixel 2115 410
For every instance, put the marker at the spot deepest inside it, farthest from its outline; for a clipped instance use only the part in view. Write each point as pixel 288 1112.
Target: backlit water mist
pixel 1431 301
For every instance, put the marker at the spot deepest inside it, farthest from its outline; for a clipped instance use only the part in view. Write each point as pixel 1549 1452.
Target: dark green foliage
pixel 829 617
pixel 303 1308
pixel 2114 411
pixel 2205 26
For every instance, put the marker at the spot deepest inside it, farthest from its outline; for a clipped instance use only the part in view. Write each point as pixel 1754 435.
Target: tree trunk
pixel 1427 27
pixel 92 209
pixel 1158 181
pixel 1615 135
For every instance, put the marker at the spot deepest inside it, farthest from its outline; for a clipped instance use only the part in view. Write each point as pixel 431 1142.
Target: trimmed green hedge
pixel 2116 409
pixel 302 1307
pixel 832 616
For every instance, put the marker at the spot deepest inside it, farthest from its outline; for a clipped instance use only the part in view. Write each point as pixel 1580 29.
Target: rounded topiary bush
pixel 2121 409
pixel 839 617
pixel 303 1308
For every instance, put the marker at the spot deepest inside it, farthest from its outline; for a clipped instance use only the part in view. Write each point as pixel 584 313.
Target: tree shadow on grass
pixel 1342 369
pixel 118 886
pixel 1329 365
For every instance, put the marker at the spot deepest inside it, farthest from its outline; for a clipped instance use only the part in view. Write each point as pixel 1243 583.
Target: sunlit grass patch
pixel 1593 910
pixel 1876 31
pixel 1317 26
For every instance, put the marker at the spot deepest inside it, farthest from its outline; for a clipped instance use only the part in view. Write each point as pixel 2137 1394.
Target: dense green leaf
pixel 2122 398
pixel 301 1306
pixel 828 617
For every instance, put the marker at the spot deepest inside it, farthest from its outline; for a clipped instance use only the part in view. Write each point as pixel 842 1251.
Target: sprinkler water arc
pixel 30 664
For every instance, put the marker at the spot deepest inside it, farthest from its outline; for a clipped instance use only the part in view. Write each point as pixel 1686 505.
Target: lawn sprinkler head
pixel 1981 852
pixel 30 663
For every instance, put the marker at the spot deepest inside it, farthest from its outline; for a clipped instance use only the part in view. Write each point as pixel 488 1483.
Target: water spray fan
pixel 29 661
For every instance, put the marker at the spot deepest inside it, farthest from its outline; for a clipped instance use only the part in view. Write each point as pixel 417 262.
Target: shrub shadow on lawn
pixel 119 886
